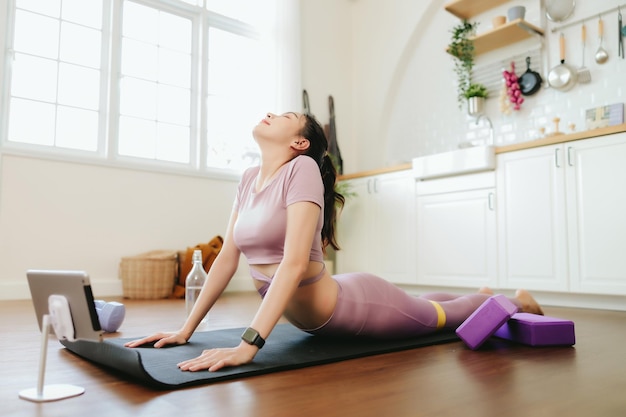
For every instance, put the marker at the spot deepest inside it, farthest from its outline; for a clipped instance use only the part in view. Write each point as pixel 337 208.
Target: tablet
pixel 76 288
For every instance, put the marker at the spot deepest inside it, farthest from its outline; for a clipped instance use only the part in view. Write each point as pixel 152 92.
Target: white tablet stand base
pixel 64 329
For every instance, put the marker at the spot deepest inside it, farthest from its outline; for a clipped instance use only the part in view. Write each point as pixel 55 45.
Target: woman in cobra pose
pixel 282 219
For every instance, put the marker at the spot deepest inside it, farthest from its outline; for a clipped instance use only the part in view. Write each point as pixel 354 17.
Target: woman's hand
pixel 216 359
pixel 159 340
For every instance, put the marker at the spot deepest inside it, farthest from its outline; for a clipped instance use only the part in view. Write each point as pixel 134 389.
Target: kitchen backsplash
pixel 607 86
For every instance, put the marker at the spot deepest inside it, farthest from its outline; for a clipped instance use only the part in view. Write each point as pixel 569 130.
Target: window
pixel 56 73
pixel 176 83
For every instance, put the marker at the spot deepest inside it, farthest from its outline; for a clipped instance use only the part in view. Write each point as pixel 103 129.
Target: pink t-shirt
pixel 262 217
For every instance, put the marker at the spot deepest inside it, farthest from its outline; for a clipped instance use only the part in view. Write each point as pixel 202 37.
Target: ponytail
pixel 333 200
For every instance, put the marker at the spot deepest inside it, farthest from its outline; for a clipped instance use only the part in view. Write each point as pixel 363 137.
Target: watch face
pixel 250 335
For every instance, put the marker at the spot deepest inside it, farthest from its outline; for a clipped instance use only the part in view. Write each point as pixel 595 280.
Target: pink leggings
pixel 370 306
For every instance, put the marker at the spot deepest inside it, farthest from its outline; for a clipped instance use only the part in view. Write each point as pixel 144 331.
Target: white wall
pixel 403 98
pixel 66 215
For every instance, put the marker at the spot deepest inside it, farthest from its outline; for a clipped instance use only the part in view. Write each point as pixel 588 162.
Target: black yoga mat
pixel 287 348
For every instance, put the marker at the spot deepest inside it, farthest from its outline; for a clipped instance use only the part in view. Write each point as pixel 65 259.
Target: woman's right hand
pixel 159 339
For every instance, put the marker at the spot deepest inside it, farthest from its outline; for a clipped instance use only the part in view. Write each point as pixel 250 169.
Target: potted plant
pixel 462 49
pixel 475 94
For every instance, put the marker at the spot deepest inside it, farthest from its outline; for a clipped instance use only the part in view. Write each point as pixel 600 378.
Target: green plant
pixel 475 90
pixel 462 49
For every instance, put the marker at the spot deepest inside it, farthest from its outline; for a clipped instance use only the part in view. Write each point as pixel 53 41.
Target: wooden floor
pixel 502 380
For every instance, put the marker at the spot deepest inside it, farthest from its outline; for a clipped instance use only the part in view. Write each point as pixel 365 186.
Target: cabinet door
pixel 353 228
pixel 456 240
pixel 596 177
pixel 531 219
pixel 392 245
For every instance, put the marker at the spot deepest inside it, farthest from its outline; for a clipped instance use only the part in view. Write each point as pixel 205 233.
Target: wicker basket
pixel 149 275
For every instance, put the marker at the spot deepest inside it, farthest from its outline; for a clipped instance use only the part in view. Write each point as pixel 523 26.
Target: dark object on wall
pixel 530 81
pixel 333 146
pixel 306 107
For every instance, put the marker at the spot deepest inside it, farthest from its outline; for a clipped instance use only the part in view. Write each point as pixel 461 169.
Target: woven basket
pixel 149 275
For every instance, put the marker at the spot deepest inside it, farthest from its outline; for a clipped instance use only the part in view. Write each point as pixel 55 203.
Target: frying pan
pixel 562 77
pixel 530 81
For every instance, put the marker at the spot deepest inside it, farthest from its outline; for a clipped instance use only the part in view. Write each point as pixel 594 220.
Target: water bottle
pixel 194 282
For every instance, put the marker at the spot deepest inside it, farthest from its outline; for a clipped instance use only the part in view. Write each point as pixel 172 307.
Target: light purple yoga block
pixel 535 330
pixel 484 322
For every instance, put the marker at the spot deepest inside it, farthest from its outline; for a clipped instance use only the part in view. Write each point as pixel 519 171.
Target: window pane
pixel 31 122
pixel 172 143
pixel 88 13
pixel 139 59
pixel 137 137
pixel 174 32
pixel 140 23
pixel 34 78
pixel 138 98
pixel 77 129
pixel 47 7
pixel 174 68
pixel 80 45
pixel 36 35
pixel 173 105
pixel 79 86
pixel 156 83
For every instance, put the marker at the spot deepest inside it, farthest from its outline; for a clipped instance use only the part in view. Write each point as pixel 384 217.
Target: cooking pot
pixel 562 77
pixel 530 81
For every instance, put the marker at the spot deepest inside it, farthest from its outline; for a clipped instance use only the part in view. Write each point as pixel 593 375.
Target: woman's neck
pixel 269 169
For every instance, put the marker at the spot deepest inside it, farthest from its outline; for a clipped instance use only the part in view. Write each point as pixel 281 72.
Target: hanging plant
pixel 461 47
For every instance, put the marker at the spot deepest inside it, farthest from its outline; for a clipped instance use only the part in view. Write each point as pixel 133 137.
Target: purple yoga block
pixel 484 322
pixel 535 330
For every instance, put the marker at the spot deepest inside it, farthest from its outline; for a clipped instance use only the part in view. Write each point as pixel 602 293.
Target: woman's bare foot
pixel 485 290
pixel 529 304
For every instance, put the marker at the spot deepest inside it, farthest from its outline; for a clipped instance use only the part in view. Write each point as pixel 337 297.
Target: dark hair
pixel 318 150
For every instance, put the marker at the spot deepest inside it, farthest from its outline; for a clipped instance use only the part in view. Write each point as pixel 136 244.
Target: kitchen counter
pixel 545 141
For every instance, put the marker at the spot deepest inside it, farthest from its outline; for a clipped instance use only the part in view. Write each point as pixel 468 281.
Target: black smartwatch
pixel 252 337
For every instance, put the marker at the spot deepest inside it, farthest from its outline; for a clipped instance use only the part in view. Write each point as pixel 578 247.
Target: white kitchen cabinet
pixel 596 208
pixel 376 229
pixel 456 231
pixel 561 217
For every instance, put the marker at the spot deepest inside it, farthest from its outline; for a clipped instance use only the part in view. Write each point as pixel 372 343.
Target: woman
pixel 282 219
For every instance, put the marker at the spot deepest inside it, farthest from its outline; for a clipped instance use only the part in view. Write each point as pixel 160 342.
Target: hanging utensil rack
pixel 593 16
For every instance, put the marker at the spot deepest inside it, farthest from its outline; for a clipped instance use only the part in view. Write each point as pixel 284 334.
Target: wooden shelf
pixel 464 9
pixel 507 34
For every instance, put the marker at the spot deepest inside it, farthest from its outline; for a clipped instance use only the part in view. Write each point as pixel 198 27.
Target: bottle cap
pixel 197 255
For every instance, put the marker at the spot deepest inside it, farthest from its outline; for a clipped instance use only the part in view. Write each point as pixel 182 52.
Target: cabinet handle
pixel 375 185
pixel 490 201
pixel 369 188
pixel 569 156
pixel 556 157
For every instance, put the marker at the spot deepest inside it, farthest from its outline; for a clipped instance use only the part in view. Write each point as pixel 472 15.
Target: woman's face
pixel 284 128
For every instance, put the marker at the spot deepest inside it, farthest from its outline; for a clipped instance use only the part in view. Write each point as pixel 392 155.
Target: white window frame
pixel 109 99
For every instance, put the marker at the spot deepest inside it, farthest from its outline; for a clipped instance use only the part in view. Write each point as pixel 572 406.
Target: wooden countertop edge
pixel 554 140
pixel 550 140
pixel 371 172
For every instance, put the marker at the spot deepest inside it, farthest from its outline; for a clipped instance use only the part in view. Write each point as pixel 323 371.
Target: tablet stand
pixel 59 310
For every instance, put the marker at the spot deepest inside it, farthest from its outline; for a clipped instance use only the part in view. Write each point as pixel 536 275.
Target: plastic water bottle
pixel 194 282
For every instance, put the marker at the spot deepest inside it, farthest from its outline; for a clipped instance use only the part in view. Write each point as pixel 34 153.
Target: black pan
pixel 530 81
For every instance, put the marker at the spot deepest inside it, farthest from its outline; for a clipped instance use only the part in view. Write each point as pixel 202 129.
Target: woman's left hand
pixel 216 359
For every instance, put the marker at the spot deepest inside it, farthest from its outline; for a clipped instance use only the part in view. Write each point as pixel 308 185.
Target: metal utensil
pixel 584 76
pixel 562 77
pixel 559 10
pixel 620 44
pixel 601 55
